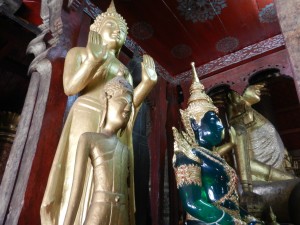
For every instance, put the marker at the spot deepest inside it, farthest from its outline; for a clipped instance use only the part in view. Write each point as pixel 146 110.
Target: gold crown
pixel 198 104
pixel 111 13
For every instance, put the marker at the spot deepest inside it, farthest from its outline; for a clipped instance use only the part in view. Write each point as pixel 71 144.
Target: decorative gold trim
pixel 232 212
pixel 182 143
pixel 232 181
pixel 215 157
pixel 239 222
pixel 188 174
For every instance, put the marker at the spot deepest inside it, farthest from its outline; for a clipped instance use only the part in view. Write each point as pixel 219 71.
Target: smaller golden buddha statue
pixel 207 184
pixel 110 161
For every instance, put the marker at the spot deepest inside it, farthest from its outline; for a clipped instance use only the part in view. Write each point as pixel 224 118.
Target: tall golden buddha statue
pixel 110 161
pixel 86 71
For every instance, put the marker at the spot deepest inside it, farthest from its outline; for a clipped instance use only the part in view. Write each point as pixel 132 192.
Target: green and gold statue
pixel 207 184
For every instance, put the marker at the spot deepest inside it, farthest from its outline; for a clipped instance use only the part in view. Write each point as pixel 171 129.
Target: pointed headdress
pixel 198 104
pixel 110 13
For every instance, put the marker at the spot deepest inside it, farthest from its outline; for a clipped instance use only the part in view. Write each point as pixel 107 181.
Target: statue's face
pixel 253 93
pixel 112 35
pixel 119 110
pixel 210 131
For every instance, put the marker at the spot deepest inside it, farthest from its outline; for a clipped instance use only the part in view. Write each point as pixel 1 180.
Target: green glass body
pixel 197 200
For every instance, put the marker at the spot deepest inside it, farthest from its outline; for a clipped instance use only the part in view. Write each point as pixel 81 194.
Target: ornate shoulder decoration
pixel 184 144
pixel 188 174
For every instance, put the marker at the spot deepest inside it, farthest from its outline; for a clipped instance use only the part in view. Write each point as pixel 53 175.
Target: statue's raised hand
pixel 95 49
pixel 148 68
pixel 149 79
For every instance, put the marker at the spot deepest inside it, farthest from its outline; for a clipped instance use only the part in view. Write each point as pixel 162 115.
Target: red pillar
pixel 157 146
pixel 174 120
pixel 288 13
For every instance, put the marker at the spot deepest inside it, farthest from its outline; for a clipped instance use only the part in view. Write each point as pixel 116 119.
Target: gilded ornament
pixel 182 145
pixel 188 174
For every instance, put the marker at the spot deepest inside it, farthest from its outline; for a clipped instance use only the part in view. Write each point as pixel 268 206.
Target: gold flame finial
pixel 198 103
pixel 196 89
pixel 111 7
pixel 196 79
